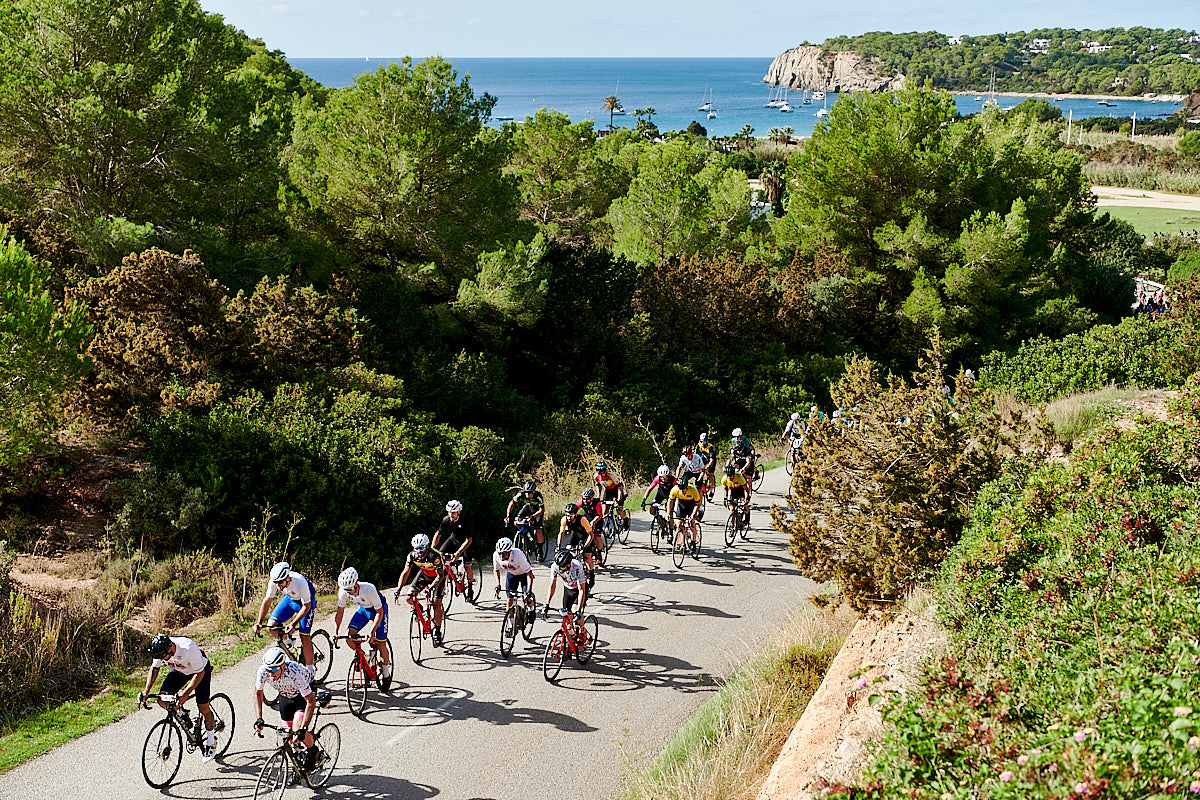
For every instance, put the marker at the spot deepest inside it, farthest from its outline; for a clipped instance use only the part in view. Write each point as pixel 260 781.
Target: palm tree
pixel 650 112
pixel 787 134
pixel 745 135
pixel 775 134
pixel 611 104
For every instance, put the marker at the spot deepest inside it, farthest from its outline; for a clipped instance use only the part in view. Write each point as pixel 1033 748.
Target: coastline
pixel 1147 98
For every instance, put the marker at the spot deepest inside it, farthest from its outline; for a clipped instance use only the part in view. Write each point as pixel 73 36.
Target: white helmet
pixel 837 412
pixel 420 542
pixel 347 579
pixel 505 545
pixel 704 437
pixel 274 657
pixel 664 471
pixel 795 416
pixel 737 432
pixel 280 571
pixel 453 506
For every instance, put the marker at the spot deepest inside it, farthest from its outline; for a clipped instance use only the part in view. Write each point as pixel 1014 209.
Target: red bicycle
pixel 364 669
pixel 420 624
pixel 570 640
pixel 457 583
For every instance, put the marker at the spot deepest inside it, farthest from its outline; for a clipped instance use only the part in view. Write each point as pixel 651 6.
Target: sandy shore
pixel 1144 198
pixel 1167 98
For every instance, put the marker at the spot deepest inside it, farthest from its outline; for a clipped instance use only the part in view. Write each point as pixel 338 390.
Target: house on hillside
pixel 1036 46
pixel 1096 47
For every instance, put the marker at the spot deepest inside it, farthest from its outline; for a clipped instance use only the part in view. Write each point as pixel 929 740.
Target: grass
pixel 1148 221
pixel 727 748
pixel 1076 416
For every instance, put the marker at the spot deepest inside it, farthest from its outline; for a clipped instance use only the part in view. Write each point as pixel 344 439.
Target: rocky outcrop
pixel 809 69
pixel 1191 105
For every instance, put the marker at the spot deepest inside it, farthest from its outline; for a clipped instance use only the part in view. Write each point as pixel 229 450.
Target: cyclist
pixel 299 600
pixel 516 564
pixel 530 505
pixel 297 700
pixel 427 568
pixel 736 488
pixel 742 453
pixel 794 428
pixel 662 484
pixel 613 489
pixel 191 673
pixel 371 607
pixel 684 504
pixel 708 455
pixel 453 538
pixel 575 589
pixel 689 461
pixel 591 507
pixel 576 528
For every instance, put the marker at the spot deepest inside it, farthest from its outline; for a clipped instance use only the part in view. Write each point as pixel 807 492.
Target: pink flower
pixel 1022 760
pixel 1080 735
pixel 1006 776
pixel 1194 788
pixel 1193 743
pixel 1080 787
pixel 1053 768
pixel 863 683
pixel 1181 711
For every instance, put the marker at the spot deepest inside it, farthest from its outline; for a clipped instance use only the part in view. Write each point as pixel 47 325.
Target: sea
pixel 675 88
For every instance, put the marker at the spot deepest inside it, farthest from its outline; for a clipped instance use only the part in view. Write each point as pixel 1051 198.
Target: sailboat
pixel 785 106
pixel 991 98
pixel 824 109
pixel 775 99
pixel 707 104
pixel 620 109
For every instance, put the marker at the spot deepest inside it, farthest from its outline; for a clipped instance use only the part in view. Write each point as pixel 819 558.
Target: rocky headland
pixel 809 69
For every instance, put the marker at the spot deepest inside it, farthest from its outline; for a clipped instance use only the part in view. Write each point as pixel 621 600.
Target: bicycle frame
pixel 452 577
pixel 356 644
pixel 424 610
pixel 573 639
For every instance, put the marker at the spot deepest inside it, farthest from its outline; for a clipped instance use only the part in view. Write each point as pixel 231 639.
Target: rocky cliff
pixel 808 69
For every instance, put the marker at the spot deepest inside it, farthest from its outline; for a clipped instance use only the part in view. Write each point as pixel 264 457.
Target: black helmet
pixel 571 510
pixel 562 559
pixel 159 646
pixel 589 493
pixel 530 486
pixel 729 469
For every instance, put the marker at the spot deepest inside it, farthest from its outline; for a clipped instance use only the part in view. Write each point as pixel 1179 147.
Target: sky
pixel 648 28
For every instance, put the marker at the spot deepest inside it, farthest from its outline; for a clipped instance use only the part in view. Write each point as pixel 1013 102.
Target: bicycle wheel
pixel 586 648
pixel 415 634
pixel 356 687
pixel 377 663
pixel 329 747
pixel 521 540
pixel 274 775
pixel 162 753
pixel 322 655
pixel 731 526
pixel 678 546
pixel 759 474
pixel 508 631
pixel 555 655
pixel 699 539
pixel 222 709
pixel 623 532
pixel 471 585
pixel 530 617
pixel 448 594
pixel 744 527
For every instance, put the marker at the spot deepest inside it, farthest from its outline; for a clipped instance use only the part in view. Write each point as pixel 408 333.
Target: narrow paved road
pixel 471 724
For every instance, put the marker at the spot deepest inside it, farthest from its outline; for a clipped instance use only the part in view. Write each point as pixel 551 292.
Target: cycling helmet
pixel 420 542
pixel 347 579
pixel 571 510
pixel 589 493
pixel 685 480
pixel 159 646
pixel 687 450
pixel 505 545
pixel 280 572
pixel 601 466
pixel 530 486
pixel 664 471
pixel 274 657
pixel 562 559
pixel 729 469
pixel 795 416
pixel 453 506
pixel 737 432
pixel 703 438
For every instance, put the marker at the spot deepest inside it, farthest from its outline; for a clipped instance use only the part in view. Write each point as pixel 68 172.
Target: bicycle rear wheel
pixel 759 474
pixel 530 617
pixel 356 687
pixel 655 533
pixel 329 747
pixel 555 655
pixel 415 634
pixel 508 631
pixel 448 593
pixel 789 463
pixel 274 775
pixel 222 709
pixel 162 753
pixel 731 526
pixel 377 663
pixel 586 648
pixel 623 532
pixel 678 547
pixel 322 655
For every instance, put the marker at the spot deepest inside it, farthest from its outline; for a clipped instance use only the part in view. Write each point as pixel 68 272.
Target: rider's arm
pixel 262 611
pixel 403 578
pixel 149 683
pixel 258 701
pixel 337 622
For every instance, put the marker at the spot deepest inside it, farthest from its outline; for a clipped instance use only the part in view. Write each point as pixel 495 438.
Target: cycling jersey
pixel 662 487
pixel 299 589
pixel 529 505
pixel 451 535
pixel 431 564
pixel 742 447
pixel 693 464
pixel 606 480
pixel 735 481
pixel 706 451
pixel 368 596
pixel 295 680
pixel 685 501
pixel 793 429
pixel 592 510
pixel 573 576
pixel 517 563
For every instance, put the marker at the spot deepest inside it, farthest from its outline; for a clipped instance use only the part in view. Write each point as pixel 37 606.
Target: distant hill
pixel 1126 61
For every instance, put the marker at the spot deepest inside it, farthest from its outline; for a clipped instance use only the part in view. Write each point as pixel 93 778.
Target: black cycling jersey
pixel 592 510
pixel 662 492
pixel 528 505
pixel 453 532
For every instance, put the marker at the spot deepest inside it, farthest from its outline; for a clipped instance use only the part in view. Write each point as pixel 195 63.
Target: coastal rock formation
pixel 1191 105
pixel 808 69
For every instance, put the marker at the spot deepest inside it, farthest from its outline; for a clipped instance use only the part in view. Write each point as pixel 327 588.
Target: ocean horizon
pixel 675 88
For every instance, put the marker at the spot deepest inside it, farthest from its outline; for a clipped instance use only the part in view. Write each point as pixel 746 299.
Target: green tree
pixel 611 104
pixel 1189 146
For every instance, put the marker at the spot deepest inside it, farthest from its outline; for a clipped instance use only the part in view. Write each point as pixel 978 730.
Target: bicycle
pixel 569 641
pixel 525 539
pixel 738 522
pixel 794 456
pixel 363 670
pixel 658 526
pixel 322 647
pixel 457 583
pixel 285 766
pixel 682 545
pixel 759 474
pixel 614 526
pixel 518 618
pixel 162 752
pixel 420 624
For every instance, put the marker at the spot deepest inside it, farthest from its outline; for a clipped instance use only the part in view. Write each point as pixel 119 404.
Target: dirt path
pixel 1144 198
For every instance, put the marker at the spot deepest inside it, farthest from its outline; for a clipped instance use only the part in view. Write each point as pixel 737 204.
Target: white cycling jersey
pixel 368 597
pixel 573 576
pixel 188 659
pixel 294 681
pixel 516 564
pixel 793 429
pixel 695 464
pixel 299 589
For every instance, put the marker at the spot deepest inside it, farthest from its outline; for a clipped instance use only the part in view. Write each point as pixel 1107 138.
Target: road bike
pixel 285 766
pixel 759 474
pixel 457 583
pixel 681 545
pixel 525 539
pixel 162 752
pixel 614 527
pixel 420 623
pixel 570 640
pixel 364 670
pixel 659 527
pixel 705 483
pixel 518 618
pixel 795 455
pixel 322 647
pixel 738 523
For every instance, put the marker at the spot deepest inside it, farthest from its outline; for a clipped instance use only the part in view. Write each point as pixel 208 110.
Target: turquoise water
pixel 674 87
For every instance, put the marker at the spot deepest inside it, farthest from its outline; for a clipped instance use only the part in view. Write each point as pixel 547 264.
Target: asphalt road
pixel 471 724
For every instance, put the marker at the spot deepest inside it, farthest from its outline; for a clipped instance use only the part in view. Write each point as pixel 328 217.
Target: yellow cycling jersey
pixel 704 448
pixel 692 495
pixel 735 481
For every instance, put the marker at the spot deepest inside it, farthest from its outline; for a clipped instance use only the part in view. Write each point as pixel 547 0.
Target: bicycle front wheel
pixel 377 662
pixel 731 526
pixel 415 634
pixel 448 594
pixel 356 687
pixel 471 584
pixel 530 617
pixel 322 655
pixel 556 653
pixel 591 628
pixel 223 717
pixel 329 747
pixel 623 532
pixel 759 474
pixel 162 753
pixel 678 548
pixel 274 775
pixel 508 632
pixel 654 533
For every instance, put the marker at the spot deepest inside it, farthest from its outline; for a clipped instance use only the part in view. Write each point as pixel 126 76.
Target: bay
pixel 674 87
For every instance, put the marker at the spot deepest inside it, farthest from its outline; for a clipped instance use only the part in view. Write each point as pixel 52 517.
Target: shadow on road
pixel 627 670
pixel 361 783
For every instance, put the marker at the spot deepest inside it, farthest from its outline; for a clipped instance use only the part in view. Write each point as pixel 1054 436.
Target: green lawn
pixel 1148 221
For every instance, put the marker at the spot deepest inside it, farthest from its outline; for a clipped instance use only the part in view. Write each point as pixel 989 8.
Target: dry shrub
pixel 161 611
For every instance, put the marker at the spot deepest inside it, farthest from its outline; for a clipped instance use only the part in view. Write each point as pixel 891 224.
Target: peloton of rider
pixel 297 700
pixel 575 588
pixel 530 505
pixel 191 673
pixel 612 488
pixel 519 573
pixel 299 600
pixel 684 504
pixel 453 538
pixel 576 528
pixel 736 488
pixel 371 607
pixel 662 484
pixel 427 567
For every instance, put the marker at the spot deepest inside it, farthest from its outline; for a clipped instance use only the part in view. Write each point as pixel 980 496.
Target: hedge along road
pixel 469 723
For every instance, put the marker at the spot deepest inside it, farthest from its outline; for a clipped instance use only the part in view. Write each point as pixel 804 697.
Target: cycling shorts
pixel 435 584
pixel 613 493
pixel 365 615
pixel 176 680
pixel 450 547
pixel 289 707
pixel 737 493
pixel 517 582
pixel 288 607
pixel 685 508
pixel 570 598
